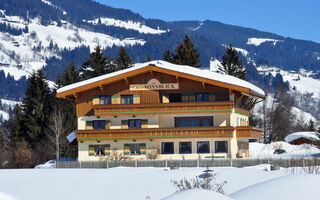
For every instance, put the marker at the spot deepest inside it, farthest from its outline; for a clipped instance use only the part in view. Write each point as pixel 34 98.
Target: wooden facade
pixel 227 104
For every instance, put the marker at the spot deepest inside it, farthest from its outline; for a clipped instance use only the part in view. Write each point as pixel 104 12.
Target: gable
pixel 204 77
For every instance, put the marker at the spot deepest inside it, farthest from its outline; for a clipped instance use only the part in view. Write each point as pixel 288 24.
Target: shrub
pixel 208 182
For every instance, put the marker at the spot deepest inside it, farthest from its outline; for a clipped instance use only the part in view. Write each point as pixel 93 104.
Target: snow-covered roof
pixel 203 73
pixel 306 135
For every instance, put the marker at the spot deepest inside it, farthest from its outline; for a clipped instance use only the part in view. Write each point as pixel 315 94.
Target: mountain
pixel 49 34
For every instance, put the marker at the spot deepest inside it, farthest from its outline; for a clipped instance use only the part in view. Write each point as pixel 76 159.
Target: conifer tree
pixel 232 64
pixel 149 58
pixel 186 54
pixel 124 60
pixel 16 134
pixel 36 107
pixel 69 76
pixel 168 56
pixel 96 65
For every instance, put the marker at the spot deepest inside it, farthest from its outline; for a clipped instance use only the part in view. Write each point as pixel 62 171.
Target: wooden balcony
pixel 155 133
pixel 163 108
pixel 242 111
pixel 248 132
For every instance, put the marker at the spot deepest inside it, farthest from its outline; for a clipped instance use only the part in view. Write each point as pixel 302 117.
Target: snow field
pixel 20 50
pixel 138 26
pixel 138 183
pixel 258 41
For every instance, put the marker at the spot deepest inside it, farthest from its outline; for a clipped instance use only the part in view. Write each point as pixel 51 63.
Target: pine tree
pixel 168 56
pixel 16 132
pixel 69 76
pixel 36 107
pixel 124 60
pixel 186 54
pixel 96 65
pixel 149 58
pixel 232 64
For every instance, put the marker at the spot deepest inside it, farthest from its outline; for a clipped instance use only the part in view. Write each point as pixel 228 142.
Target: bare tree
pixel 57 129
pixel 280 116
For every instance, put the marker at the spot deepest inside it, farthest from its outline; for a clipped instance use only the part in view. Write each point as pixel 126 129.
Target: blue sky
pixel 290 18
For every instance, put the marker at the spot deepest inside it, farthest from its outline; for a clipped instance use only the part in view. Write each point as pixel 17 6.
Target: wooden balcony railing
pixel 154 133
pixel 242 111
pixel 163 108
pixel 248 132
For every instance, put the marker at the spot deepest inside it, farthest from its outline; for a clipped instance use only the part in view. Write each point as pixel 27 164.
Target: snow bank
pixel 197 194
pixel 4 196
pixel 178 68
pixel 288 187
pixel 259 150
pixel 312 136
pixel 258 41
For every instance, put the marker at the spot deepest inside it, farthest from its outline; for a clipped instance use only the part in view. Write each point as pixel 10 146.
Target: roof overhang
pixel 72 90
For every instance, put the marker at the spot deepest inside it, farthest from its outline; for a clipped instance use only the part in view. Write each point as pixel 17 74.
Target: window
pixel 99 124
pixel 175 98
pixel 126 99
pixel 99 150
pixel 193 121
pixel 167 148
pixel 203 147
pixel 134 123
pixel 185 147
pixel 202 97
pixel 134 149
pixel 221 147
pixel 105 99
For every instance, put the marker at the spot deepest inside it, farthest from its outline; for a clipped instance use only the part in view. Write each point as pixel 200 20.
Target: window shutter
pixel 89 125
pixel 212 97
pixel 107 149
pixel 115 99
pixel 143 148
pixel 192 97
pixel 91 150
pixel 124 124
pixel 165 98
pixel 108 124
pixel 95 100
pixel 126 149
pixel 144 123
pixel 185 97
pixel 136 99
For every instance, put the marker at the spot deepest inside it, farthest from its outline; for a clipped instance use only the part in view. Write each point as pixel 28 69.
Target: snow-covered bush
pixel 208 182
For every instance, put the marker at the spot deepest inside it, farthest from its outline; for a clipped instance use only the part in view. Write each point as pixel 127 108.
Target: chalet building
pixel 158 106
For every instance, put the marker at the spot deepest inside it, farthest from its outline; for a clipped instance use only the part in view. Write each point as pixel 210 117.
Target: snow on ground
pixel 312 136
pixel 197 194
pixel 214 65
pixel 301 81
pixel 10 103
pixel 138 26
pixel 4 115
pixel 4 196
pixel 260 150
pixel 258 41
pixel 138 183
pixel 242 51
pixel 20 55
pixel 295 187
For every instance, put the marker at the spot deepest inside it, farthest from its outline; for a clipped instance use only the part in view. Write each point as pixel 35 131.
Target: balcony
pixel 154 133
pixel 248 132
pixel 163 108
